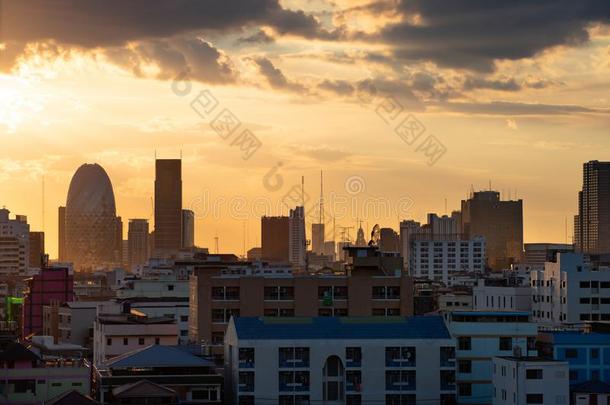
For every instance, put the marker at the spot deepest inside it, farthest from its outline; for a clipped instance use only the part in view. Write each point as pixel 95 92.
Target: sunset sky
pixel 517 92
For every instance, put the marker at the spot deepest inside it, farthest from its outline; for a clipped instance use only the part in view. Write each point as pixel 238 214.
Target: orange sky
pixel 526 125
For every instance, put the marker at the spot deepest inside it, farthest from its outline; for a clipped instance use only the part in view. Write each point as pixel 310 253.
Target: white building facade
pixel 437 258
pixel 501 298
pixel 14 244
pixel 339 360
pixel 523 380
pixel 571 290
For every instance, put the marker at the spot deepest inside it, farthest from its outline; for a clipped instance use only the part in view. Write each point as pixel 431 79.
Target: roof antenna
pixel 303 191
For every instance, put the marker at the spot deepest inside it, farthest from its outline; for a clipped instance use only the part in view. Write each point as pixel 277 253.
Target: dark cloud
pixel 196 57
pixel 339 87
pixel 260 37
pixel 505 108
pixel 95 23
pixel 275 77
pixel 508 84
pixel 472 34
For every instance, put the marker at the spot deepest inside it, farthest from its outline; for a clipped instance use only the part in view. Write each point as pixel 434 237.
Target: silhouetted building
pixel 36 249
pixel 389 241
pixel 592 224
pixel 500 222
pixel 61 234
pixel 536 254
pixel 274 237
pixel 360 239
pixel 14 243
pixel 91 222
pixel 297 244
pixel 446 225
pixel 137 240
pixel 317 238
pixel 168 206
pixel 188 229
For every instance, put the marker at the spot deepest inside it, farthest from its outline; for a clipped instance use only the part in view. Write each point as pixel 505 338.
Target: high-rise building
pixel 36 249
pixel 389 240
pixel 91 222
pixel 137 239
pixel 500 222
pixel 168 206
pixel 360 239
pixel 118 241
pixel 14 243
pixel 408 228
pixel 297 243
pixel 446 225
pixel 274 238
pixel 592 224
pixel 188 229
pixel 61 234
pixel 317 238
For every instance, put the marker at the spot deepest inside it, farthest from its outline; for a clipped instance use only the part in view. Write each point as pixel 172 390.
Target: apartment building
pixel 489 296
pixel 573 289
pixel 339 360
pixel 481 336
pixel 220 291
pixel 530 380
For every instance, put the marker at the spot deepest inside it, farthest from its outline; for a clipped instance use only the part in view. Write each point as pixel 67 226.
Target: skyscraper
pixel 500 222
pixel 297 243
pixel 36 249
pixel 168 206
pixel 317 238
pixel 188 229
pixel 274 239
pixel 61 233
pixel 90 219
pixel 592 224
pixel 389 240
pixel 137 240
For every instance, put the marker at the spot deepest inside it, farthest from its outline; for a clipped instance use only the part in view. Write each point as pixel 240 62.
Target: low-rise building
pixel 339 360
pixel 118 329
pixel 481 336
pixel 28 379
pixel 501 297
pixel 587 352
pixel 530 380
pixel 455 302
pixel 159 374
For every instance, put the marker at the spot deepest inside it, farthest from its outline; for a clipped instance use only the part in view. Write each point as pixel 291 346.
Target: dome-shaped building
pixel 92 227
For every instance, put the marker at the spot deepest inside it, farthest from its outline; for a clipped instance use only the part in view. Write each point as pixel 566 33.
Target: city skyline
pixel 298 74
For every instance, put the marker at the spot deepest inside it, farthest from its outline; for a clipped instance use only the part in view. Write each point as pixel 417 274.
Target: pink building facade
pixel 53 284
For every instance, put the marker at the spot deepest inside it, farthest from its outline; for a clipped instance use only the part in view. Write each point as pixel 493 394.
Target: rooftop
pixel 416 327
pixel 580 338
pixel 591 387
pixel 157 356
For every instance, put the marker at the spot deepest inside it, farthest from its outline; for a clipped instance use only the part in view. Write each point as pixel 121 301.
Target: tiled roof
pixel 416 327
pixel 157 356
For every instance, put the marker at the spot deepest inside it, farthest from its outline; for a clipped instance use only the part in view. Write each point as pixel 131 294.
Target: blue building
pixel 587 352
pixel 346 360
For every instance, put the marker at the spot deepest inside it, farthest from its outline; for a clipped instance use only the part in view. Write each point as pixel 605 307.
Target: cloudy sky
pixel 404 104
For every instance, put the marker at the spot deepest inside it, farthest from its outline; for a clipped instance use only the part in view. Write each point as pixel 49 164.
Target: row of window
pixel 505 343
pixel 350 399
pixel 141 341
pixel 298 357
pixel 286 293
pixel 223 315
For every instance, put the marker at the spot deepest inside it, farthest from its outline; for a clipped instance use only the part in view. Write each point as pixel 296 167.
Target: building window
pixel 400 356
pixel 108 341
pixel 141 341
pixel 246 357
pixel 293 357
pixel 464 366
pixel 571 353
pixel 400 399
pixel 246 400
pixel 353 356
pixel 506 343
pixel 353 379
pixel 157 341
pixel 125 341
pixel 594 353
pixel 464 343
pixel 447 356
pixel 246 381
pixel 293 381
pixel 465 390
pixel 534 399
pixel 533 374
pixel 400 380
pixel 447 380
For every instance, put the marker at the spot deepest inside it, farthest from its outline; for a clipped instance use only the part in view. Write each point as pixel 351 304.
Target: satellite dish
pixel 375 236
